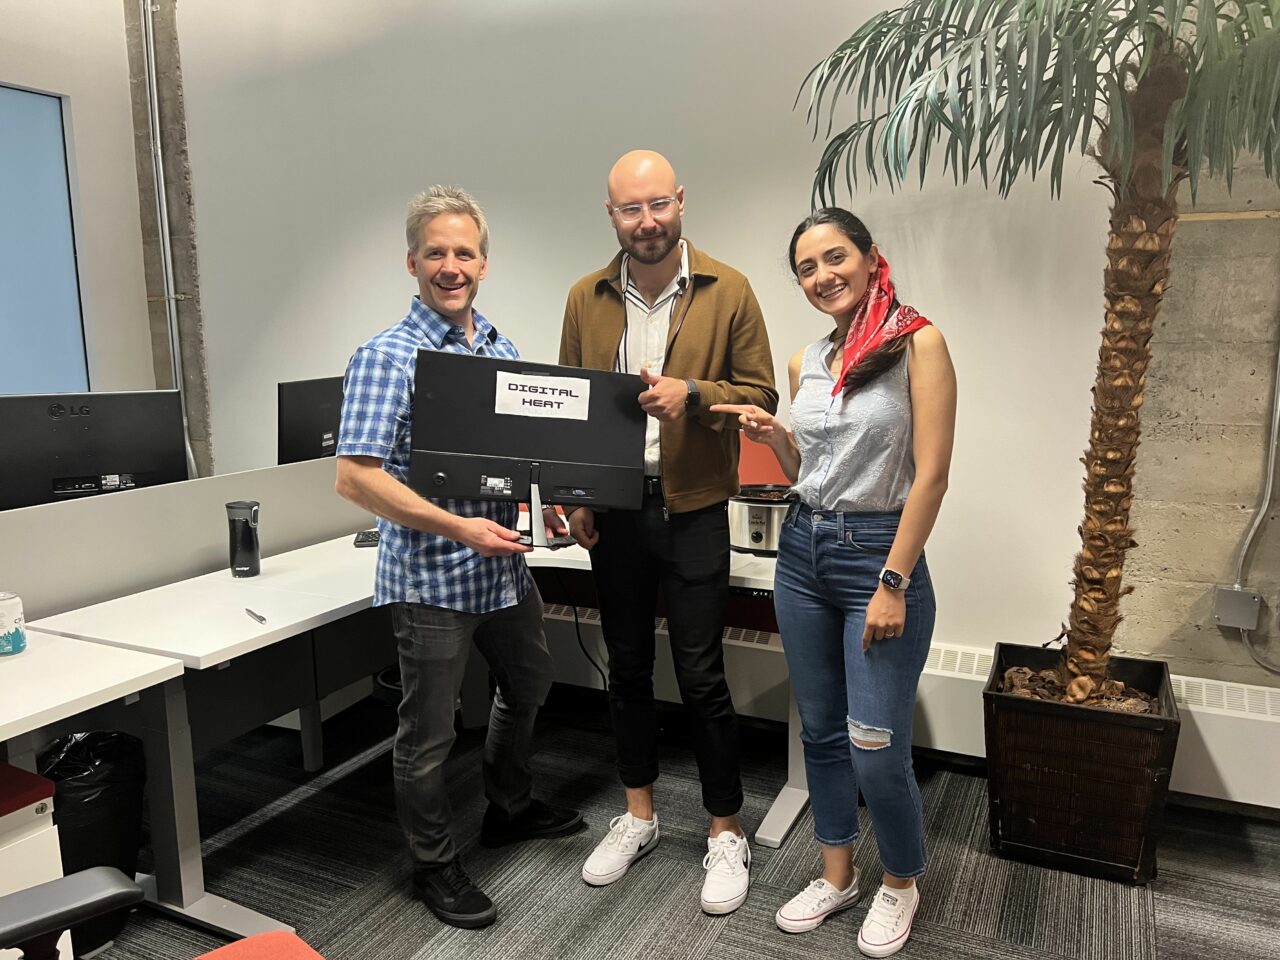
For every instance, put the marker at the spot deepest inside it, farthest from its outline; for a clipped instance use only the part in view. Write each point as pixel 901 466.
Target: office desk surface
pixel 751 572
pixel 339 570
pixel 57 677
pixel 202 621
pixel 745 570
pixel 336 569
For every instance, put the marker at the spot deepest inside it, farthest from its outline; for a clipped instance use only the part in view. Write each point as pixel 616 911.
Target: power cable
pixel 577 629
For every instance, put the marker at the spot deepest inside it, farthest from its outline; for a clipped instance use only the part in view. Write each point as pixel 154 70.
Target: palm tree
pixel 1154 90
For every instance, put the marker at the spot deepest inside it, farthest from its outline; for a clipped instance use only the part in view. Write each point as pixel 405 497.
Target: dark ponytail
pixel 878 361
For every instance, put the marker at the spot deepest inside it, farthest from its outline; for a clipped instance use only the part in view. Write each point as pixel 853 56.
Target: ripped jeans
pixel 828 570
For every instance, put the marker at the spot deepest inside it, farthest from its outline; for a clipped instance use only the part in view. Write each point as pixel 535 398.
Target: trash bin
pixel 97 804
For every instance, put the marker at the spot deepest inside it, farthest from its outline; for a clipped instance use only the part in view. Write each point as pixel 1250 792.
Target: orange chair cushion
pixel 757 464
pixel 276 945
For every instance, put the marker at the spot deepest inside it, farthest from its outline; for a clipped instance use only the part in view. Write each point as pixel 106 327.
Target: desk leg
pixel 793 797
pixel 21 751
pixel 178 884
pixel 309 724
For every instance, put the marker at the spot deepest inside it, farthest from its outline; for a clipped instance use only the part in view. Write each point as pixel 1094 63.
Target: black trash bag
pixel 99 781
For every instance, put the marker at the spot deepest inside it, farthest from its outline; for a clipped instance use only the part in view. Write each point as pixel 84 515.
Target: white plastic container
pixel 13 630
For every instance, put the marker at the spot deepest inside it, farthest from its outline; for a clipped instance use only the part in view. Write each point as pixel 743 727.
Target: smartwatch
pixel 692 398
pixel 893 579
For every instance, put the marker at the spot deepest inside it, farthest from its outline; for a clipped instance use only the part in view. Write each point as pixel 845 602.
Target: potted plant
pixel 1155 91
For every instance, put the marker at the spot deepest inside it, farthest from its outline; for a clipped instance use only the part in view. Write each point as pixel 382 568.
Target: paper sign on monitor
pixel 527 395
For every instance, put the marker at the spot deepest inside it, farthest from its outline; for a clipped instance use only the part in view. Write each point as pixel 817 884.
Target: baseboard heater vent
pixel 562 611
pixel 1228 698
pixel 961 661
pixel 1226 727
pixel 737 636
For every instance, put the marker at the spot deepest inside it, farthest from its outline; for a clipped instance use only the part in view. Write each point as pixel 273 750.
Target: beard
pixel 655 247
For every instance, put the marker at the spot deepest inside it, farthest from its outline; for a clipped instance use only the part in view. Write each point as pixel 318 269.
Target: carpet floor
pixel 324 853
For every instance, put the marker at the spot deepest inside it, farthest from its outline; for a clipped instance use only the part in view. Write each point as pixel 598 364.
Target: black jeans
pixel 434 646
pixel 687 555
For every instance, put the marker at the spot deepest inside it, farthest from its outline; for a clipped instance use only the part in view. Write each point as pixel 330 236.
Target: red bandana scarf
pixel 873 323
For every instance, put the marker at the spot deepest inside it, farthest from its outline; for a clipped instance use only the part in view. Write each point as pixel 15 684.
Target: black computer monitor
pixel 307 416
pixel 534 433
pixel 58 446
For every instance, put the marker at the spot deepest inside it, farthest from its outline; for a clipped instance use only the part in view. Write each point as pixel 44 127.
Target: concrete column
pixel 1208 405
pixel 182 227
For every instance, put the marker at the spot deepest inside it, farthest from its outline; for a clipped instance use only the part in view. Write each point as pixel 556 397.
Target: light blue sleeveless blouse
pixel 855 449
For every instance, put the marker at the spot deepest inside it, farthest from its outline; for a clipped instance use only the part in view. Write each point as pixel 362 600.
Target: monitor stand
pixel 537 529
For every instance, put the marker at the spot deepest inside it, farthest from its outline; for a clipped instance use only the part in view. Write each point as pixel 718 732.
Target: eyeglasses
pixel 631 212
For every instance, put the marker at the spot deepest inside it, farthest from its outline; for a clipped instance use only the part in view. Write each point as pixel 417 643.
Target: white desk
pixel 202 623
pixel 335 569
pixel 745 571
pixel 55 679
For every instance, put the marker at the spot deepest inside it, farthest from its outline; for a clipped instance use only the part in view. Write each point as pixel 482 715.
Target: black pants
pixel 434 646
pixel 687 555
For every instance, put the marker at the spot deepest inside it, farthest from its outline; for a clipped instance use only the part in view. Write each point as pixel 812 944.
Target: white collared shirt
pixel 644 341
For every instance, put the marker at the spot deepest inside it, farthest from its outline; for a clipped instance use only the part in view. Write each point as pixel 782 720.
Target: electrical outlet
pixel 1237 609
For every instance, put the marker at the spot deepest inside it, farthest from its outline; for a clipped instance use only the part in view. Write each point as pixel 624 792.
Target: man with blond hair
pixel 691 328
pixel 452 571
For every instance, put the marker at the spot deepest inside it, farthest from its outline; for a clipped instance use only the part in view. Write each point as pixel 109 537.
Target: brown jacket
pixel 717 339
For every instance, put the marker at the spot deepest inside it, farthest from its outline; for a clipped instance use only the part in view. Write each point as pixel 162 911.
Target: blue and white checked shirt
pixel 377 421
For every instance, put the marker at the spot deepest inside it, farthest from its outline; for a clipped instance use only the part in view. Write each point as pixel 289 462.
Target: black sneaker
pixel 536 821
pixel 452 897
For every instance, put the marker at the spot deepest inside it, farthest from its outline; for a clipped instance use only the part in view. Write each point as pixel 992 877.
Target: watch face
pixel 891 579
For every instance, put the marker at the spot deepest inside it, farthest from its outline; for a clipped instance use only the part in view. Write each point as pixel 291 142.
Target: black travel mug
pixel 242 526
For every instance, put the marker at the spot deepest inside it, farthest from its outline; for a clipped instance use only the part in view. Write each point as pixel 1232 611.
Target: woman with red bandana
pixel 873 418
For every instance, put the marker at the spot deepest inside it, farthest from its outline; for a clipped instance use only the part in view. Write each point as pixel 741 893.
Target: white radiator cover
pixel 1228 745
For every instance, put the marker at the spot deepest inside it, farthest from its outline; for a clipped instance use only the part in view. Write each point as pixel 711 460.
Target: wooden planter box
pixel 1078 788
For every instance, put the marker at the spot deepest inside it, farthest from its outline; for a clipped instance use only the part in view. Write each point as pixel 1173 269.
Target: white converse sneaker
pixel 888 922
pixel 728 866
pixel 808 908
pixel 627 841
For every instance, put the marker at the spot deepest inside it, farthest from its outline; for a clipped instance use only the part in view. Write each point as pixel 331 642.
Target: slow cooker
pixel 755 518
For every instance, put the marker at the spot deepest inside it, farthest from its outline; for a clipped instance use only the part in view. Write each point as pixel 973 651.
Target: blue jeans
pixel 828 570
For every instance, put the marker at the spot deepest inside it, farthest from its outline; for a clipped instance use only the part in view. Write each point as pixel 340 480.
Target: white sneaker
pixel 888 922
pixel 728 866
pixel 628 839
pixel 808 908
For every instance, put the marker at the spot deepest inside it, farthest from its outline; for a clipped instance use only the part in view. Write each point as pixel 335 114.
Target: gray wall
pixel 1200 466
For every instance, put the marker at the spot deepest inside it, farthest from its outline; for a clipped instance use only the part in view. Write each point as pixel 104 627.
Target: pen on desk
pixel 257 616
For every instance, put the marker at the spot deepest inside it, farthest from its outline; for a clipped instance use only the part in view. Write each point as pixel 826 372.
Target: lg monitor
pixel 307 417
pixel 534 433
pixel 60 446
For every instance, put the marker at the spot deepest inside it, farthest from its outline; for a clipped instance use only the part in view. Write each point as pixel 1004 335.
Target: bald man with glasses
pixel 692 329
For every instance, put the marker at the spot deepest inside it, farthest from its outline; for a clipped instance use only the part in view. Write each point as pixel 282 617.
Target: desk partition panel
pixel 62 556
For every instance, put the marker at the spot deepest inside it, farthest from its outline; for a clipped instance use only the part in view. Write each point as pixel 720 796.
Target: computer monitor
pixel 535 433
pixel 59 446
pixel 307 416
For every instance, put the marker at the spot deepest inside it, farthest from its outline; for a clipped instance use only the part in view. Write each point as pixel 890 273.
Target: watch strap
pixel 903 580
pixel 693 398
